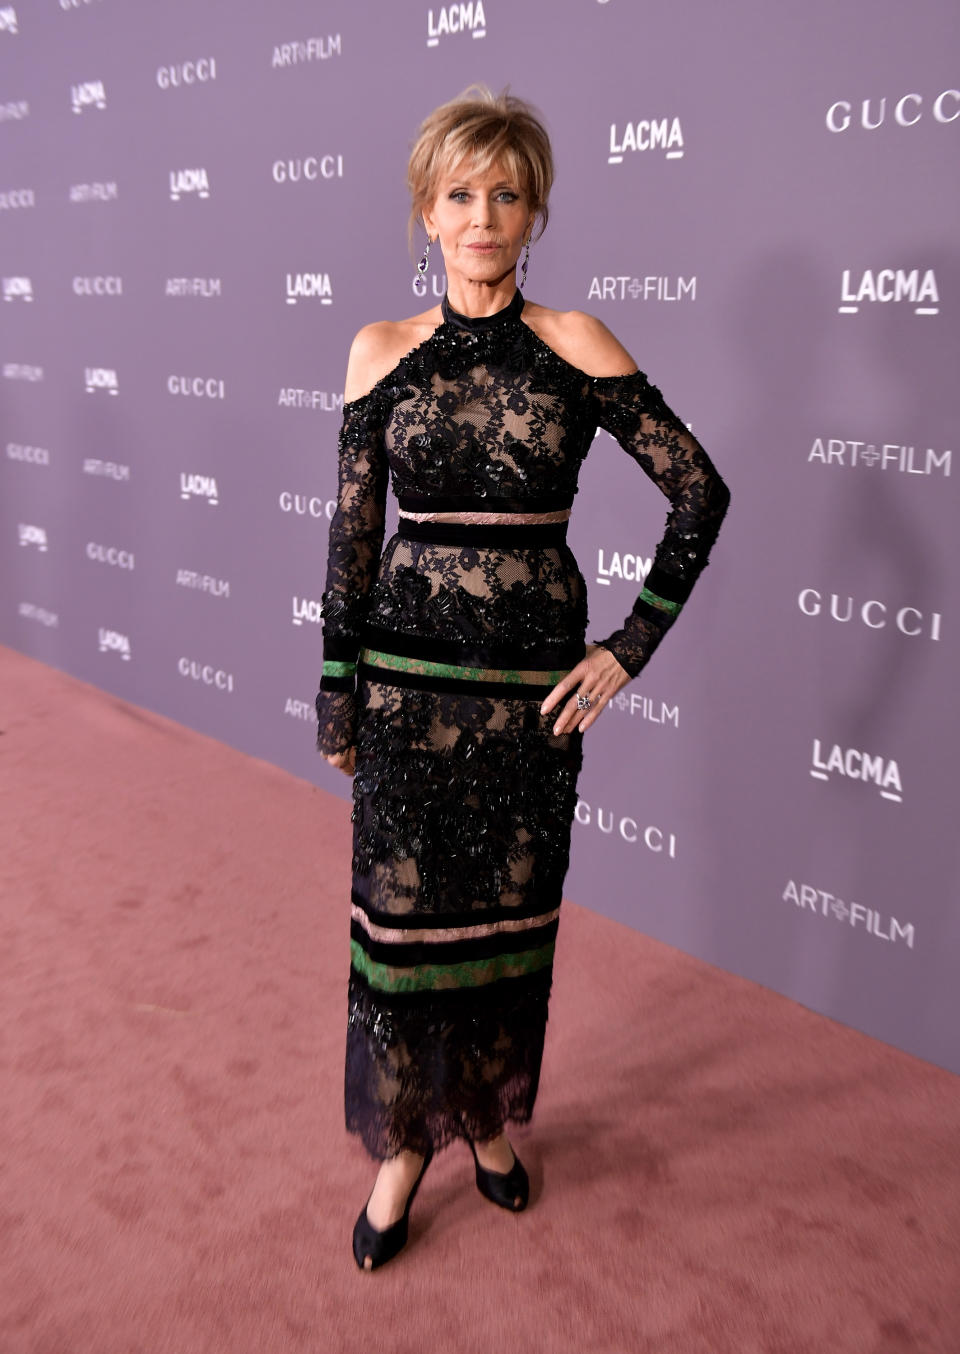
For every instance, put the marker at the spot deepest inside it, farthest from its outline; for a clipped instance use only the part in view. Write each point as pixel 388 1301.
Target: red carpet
pixel 714 1169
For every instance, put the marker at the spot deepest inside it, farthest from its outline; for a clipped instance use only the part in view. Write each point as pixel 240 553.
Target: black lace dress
pixel 438 649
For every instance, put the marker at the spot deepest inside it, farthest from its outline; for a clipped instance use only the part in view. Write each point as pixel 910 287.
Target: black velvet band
pixel 466 1000
pixel 668 586
pixel 338 683
pixel 470 655
pixel 654 614
pixel 340 648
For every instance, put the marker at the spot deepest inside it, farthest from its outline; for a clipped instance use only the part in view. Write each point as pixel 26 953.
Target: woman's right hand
pixel 343 761
pixel 336 728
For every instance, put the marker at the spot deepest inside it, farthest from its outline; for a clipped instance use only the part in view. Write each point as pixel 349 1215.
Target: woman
pixel 456 683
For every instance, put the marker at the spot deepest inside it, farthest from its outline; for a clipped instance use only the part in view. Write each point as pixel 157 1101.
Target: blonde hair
pixel 486 129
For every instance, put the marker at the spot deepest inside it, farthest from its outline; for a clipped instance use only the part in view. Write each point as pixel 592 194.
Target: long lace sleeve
pixel 356 539
pixel 635 413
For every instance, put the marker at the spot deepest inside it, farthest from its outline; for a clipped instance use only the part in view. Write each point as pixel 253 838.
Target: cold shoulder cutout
pixel 584 341
pixel 374 354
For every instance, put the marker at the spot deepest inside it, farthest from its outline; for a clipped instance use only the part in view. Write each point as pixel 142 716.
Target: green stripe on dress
pixel 425 667
pixel 661 603
pixel 334 668
pixel 434 977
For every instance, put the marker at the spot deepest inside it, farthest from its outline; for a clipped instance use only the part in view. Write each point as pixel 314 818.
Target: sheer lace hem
pixel 423 1075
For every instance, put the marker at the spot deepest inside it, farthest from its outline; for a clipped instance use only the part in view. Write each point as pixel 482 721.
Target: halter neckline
pixel 476 323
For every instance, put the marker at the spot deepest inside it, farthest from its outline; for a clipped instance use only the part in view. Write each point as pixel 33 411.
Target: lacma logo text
pixel 199 486
pixel 100 378
pixel 309 287
pixel 28 534
pixel 91 94
pixel 889 286
pixel 189 183
pixel 634 568
pixel 663 134
pixel 462 18
pixel 112 641
pixel 852 764
pixel 17 289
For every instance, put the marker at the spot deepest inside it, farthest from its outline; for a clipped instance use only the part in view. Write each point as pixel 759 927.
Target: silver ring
pixel 583 702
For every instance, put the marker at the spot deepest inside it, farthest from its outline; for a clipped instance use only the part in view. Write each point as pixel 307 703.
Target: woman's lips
pixel 483 248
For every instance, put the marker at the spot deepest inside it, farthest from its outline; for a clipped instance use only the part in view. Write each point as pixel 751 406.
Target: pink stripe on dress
pixel 489 519
pixel 405 935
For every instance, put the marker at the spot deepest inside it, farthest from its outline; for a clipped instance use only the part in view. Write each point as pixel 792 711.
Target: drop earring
pixel 420 279
pixel 524 266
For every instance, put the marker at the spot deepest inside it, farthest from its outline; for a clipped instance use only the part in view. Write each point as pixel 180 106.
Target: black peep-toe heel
pixel 503 1188
pixel 383 1246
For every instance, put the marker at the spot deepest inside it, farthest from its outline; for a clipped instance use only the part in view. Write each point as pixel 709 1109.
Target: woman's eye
pixel 504 195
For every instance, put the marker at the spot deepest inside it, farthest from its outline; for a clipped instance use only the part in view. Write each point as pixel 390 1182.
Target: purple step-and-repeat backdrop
pixel 200 204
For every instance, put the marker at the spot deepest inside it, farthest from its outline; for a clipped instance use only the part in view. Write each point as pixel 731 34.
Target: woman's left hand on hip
pixel 597 677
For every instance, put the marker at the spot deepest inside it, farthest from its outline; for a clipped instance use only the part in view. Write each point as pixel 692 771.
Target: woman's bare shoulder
pixel 378 347
pixel 580 339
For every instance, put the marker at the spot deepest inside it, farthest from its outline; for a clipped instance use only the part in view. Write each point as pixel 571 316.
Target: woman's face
pixel 482 221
